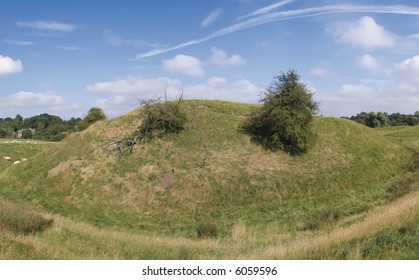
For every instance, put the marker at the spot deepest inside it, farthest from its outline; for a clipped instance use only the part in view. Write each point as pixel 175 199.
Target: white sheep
pixel 16 162
pixel 7 158
pixel 23 159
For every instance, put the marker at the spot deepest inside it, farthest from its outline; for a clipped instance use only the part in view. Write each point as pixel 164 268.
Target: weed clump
pixel 321 219
pixel 206 230
pixel 21 220
pixel 158 119
pixel 402 188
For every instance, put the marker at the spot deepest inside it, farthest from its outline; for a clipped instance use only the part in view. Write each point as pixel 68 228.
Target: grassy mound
pixel 247 194
pixel 220 176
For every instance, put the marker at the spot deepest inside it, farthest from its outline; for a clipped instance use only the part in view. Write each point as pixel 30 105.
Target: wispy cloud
pixel 115 40
pixel 18 43
pixel 47 25
pixel 212 17
pixel 287 15
pixel 73 48
pixel 267 9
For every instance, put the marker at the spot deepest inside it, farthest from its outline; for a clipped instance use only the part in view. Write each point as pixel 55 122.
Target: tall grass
pixel 21 220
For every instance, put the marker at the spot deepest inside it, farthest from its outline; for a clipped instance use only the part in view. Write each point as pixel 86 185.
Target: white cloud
pixel 407 71
pixel 124 95
pixel 47 25
pixel 319 72
pixel 72 48
pixel 9 66
pixel 212 17
pixel 121 96
pixel 354 90
pixel 364 33
pixel 368 62
pixel 184 64
pixel 220 57
pixel 134 86
pixel 25 100
pixel 115 40
pixel 18 43
pixel 219 88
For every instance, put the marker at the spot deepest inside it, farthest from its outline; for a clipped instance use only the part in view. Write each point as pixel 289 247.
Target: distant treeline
pixel 47 127
pixel 40 127
pixel 380 119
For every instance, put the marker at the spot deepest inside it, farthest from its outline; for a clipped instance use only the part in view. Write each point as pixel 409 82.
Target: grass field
pixel 354 195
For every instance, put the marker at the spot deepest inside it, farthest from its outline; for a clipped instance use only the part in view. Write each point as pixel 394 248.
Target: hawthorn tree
pixel 285 119
pixel 95 114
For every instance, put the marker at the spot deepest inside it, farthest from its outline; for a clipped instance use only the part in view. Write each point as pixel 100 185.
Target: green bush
pixel 21 220
pixel 285 119
pixel 95 114
pixel 206 230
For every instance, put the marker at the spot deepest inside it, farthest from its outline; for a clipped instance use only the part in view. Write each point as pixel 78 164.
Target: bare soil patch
pixel 63 166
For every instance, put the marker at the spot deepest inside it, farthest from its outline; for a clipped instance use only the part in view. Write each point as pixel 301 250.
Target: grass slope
pixel 115 208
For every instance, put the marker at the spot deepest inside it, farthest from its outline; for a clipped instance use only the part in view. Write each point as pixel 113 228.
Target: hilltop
pixel 221 180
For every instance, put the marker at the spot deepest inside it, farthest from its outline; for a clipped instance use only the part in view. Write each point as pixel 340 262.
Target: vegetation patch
pixel 21 220
pixel 414 163
pixel 285 119
pixel 403 187
pixel 322 219
pixel 206 230
pixel 158 119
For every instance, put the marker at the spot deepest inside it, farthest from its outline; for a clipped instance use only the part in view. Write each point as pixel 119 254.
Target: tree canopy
pixel 284 121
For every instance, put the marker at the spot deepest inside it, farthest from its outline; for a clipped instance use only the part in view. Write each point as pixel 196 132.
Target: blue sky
pixel 63 57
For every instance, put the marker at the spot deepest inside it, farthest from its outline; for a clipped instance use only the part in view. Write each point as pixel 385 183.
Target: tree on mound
pixel 285 119
pixel 95 114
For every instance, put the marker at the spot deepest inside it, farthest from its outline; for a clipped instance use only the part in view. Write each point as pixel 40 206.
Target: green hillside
pixel 127 207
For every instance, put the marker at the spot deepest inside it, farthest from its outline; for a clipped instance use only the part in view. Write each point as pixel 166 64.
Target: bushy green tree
pixel 26 133
pixel 95 114
pixel 285 119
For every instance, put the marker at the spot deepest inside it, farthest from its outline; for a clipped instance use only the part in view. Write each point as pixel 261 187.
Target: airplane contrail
pixel 266 9
pixel 287 15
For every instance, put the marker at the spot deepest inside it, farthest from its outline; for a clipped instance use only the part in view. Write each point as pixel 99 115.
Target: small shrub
pixel 206 230
pixel 158 119
pixel 21 220
pixel 322 219
pixel 152 176
pixel 402 188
